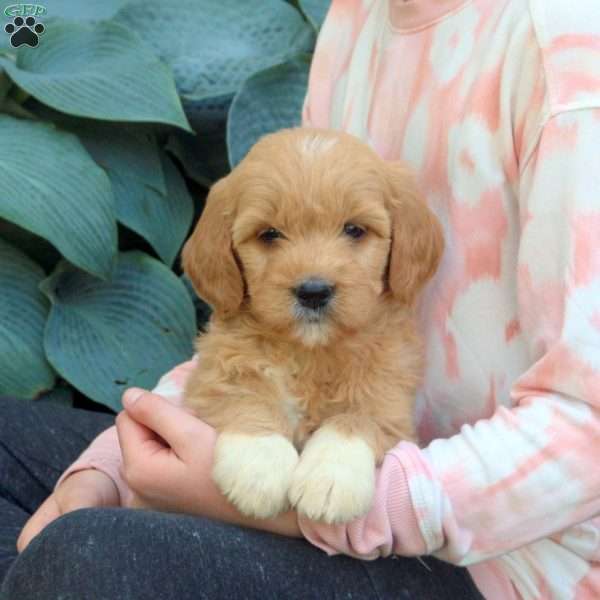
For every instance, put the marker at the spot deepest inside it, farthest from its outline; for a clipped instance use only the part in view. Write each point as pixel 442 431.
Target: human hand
pixel 167 453
pixel 82 489
pixel 168 458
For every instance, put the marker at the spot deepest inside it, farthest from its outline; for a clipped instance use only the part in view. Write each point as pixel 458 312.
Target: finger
pixel 136 439
pixel 137 431
pixel 45 514
pixel 146 459
pixel 174 424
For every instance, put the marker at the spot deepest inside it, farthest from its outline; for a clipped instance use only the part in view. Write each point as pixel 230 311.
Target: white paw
pixel 255 472
pixel 335 478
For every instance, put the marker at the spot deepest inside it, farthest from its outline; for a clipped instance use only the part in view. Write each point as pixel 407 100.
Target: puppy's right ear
pixel 207 256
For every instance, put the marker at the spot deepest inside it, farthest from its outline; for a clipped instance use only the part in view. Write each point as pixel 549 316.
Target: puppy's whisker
pixel 310 315
pixel 312 327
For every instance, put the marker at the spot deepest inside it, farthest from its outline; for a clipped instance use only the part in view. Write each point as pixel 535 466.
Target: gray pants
pixel 124 554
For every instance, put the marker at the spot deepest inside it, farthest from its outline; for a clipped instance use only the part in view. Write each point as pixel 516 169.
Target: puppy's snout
pixel 314 293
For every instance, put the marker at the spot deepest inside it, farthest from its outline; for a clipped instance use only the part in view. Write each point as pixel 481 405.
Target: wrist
pixel 95 481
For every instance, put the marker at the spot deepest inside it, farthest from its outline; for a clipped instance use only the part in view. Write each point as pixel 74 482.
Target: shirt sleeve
pixel 104 453
pixel 531 470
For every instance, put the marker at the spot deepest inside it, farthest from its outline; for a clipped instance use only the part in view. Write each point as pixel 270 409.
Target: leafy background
pixel 111 132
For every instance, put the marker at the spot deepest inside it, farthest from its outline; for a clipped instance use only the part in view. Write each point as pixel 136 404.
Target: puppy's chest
pixel 311 396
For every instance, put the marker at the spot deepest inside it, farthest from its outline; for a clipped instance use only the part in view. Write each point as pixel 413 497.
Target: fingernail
pixel 132 395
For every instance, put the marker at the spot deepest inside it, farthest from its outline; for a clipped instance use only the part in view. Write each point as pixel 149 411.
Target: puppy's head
pixel 310 234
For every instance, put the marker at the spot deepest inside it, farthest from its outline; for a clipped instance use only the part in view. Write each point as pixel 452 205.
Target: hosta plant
pixel 111 130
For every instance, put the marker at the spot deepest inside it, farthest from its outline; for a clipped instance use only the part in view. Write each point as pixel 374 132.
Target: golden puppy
pixel 311 253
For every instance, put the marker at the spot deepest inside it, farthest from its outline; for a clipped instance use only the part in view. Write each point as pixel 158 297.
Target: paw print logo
pixel 24 31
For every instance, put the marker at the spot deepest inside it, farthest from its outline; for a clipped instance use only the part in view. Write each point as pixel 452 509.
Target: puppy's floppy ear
pixel 417 238
pixel 207 256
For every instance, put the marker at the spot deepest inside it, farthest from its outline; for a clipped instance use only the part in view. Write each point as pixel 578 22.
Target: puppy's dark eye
pixel 354 231
pixel 268 236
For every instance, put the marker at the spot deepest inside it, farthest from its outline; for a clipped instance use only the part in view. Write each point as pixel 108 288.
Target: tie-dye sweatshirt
pixel 496 105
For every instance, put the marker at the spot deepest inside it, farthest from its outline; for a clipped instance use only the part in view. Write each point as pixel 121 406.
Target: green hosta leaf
pixel 315 10
pixel 213 46
pixel 5 85
pixel 204 157
pixel 24 371
pixel 162 220
pixel 268 101
pixel 68 10
pixel 104 337
pixel 62 395
pixel 207 115
pixel 124 149
pixel 5 47
pixel 127 148
pixel 203 310
pixel 51 187
pixel 102 71
pixel 36 248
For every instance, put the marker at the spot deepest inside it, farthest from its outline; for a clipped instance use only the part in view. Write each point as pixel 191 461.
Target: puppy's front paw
pixel 335 479
pixel 255 472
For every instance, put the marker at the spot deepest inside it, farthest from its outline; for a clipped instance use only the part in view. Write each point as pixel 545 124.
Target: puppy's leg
pixel 335 478
pixel 254 468
pixel 254 456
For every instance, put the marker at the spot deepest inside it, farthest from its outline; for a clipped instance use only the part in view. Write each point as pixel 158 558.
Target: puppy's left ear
pixel 417 238
pixel 207 256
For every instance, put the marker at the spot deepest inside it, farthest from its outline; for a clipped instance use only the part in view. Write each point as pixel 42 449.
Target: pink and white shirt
pixel 496 105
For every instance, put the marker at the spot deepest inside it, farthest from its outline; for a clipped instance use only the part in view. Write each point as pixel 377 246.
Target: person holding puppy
pixel 496 106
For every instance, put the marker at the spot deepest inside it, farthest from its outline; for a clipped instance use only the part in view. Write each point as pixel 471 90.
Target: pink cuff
pixel 103 454
pixel 390 527
pixel 109 467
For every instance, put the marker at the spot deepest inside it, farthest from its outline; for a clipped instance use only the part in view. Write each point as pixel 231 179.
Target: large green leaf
pixel 163 220
pixel 24 371
pixel 5 47
pixel 203 310
pixel 51 187
pixel 61 395
pixel 127 148
pixel 214 45
pixel 315 10
pixel 5 85
pixel 268 101
pixel 124 149
pixel 204 157
pixel 104 337
pixel 82 10
pixel 35 247
pixel 103 71
pixel 207 115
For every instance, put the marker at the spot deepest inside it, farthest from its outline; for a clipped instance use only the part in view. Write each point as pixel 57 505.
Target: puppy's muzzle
pixel 314 293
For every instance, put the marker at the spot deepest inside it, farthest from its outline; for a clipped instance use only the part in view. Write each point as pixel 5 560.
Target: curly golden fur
pixel 273 371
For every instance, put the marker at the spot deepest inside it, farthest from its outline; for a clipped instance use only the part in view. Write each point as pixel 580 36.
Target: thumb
pixel 174 424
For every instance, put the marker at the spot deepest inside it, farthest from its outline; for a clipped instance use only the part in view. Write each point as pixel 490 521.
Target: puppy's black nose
pixel 314 293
